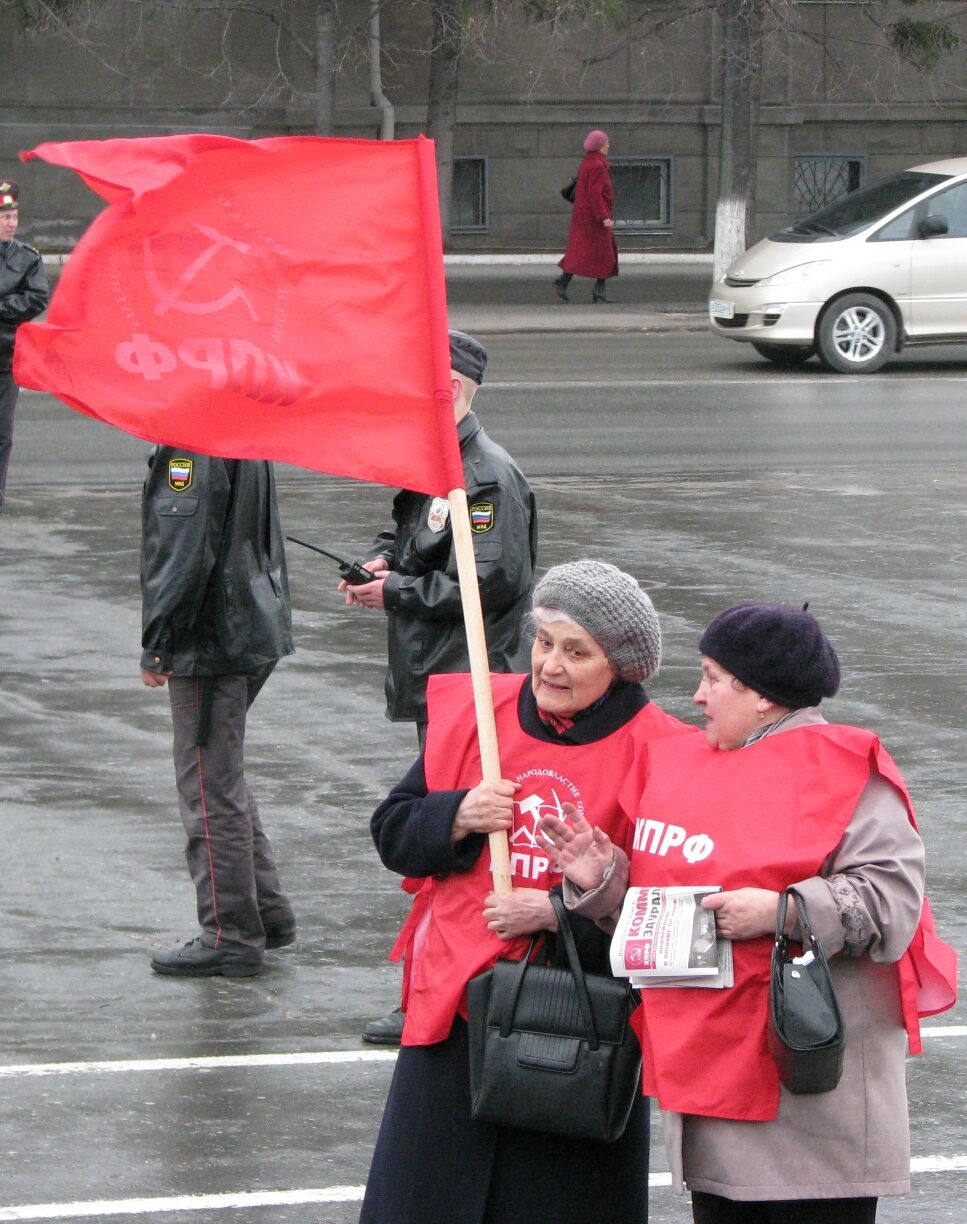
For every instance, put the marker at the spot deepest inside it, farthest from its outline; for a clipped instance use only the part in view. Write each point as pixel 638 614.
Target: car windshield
pixel 862 208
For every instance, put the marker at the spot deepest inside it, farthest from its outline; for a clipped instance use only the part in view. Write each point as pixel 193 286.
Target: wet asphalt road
pixel 704 472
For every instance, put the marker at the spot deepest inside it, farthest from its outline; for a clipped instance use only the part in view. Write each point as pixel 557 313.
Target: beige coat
pixel 854 1141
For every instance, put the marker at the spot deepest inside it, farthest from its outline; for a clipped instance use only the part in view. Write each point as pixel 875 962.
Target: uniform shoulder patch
pixel 438 514
pixel 482 516
pixel 180 474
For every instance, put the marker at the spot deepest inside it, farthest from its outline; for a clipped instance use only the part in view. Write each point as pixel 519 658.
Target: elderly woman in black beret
pixel 568 734
pixel 773 797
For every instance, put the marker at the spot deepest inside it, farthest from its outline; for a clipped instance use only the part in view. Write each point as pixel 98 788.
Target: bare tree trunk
pixel 324 111
pixel 441 108
pixel 739 138
pixel 387 115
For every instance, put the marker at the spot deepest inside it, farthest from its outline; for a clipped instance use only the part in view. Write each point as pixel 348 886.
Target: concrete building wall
pixel 528 95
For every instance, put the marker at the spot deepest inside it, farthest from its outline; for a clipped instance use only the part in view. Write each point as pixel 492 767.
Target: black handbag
pixel 568 191
pixel 806 1035
pixel 552 1049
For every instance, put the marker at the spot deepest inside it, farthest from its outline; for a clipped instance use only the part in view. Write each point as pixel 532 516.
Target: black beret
pixel 467 355
pixel 9 195
pixel 778 650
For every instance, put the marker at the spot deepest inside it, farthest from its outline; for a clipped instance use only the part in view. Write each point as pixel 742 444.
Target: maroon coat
pixel 591 248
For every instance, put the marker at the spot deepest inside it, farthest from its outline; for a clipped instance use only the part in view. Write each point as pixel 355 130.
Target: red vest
pixel 445 939
pixel 765 816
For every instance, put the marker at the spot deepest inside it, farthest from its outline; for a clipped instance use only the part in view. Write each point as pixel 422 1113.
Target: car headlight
pixel 795 275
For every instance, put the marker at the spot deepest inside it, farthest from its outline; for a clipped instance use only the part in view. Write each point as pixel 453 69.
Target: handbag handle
pixel 782 939
pixel 577 973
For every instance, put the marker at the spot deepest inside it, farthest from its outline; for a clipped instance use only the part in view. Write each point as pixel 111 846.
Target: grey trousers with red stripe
pixel 229 857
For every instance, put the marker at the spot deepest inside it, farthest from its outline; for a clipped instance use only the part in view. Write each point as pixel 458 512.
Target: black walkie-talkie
pixel 354 573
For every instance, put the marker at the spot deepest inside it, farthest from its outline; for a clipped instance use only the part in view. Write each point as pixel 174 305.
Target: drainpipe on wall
pixel 387 116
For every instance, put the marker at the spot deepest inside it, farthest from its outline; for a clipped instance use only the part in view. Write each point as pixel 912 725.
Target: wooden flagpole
pixel 473 621
pixel 483 697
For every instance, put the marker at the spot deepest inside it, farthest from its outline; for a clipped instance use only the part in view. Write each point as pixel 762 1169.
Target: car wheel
pixel 789 356
pixel 857 334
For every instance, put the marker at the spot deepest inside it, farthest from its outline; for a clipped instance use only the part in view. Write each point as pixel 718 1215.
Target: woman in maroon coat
pixel 591 248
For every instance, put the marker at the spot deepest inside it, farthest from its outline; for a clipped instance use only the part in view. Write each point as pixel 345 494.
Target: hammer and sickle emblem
pixel 172 300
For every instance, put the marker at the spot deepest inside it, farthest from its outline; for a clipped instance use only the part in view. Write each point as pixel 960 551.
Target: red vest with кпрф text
pixel 765 816
pixel 445 939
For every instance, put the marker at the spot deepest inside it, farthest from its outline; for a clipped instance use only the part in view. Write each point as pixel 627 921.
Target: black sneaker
pixel 196 959
pixel 279 934
pixel 387 1030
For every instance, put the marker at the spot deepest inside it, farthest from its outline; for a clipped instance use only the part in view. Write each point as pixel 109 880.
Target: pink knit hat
pixel 595 141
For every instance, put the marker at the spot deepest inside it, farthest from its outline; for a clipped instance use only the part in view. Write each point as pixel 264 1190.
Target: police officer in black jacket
pixel 215 621
pixel 24 294
pixel 417 583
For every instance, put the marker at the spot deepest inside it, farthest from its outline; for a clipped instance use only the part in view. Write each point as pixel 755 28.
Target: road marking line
pixel 938 1164
pixel 185 1202
pixel 290 1198
pixel 215 1062
pixel 765 385
pixel 222 1061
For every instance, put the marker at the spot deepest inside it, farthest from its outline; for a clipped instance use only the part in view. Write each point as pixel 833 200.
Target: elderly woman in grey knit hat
pixel 568 733
pixel 774 797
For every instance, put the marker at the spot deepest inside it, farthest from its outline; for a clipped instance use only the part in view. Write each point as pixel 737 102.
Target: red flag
pixel 273 299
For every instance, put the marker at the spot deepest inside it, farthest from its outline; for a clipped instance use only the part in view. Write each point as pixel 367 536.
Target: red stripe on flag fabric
pixel 279 299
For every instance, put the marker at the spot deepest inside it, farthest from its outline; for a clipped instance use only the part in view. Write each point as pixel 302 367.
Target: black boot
pixel 598 294
pixel 561 284
pixel 196 959
pixel 387 1030
pixel 279 934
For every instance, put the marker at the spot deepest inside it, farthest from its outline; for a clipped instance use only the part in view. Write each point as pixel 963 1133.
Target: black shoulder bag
pixel 569 190
pixel 806 1034
pixel 552 1049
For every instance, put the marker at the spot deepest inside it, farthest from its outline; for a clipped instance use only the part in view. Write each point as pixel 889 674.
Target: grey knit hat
pixel 612 607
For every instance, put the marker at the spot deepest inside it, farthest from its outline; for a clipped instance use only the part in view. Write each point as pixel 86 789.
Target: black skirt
pixel 434 1164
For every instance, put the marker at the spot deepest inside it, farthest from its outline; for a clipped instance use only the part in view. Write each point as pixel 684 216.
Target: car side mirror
pixel 932 227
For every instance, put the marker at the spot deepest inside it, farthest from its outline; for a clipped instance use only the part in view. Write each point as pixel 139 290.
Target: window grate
pixel 821 180
pixel 468 208
pixel 642 193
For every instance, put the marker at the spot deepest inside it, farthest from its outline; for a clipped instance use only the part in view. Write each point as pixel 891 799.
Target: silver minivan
pixel 882 268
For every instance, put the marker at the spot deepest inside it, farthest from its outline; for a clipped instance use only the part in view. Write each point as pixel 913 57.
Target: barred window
pixel 469 203
pixel 820 180
pixel 642 193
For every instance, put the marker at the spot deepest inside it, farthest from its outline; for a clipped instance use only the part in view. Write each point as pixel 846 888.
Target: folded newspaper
pixel 665 938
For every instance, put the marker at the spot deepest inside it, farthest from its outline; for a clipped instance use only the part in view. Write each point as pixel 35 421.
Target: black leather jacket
pixel 24 293
pixel 422 594
pixel 215 594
